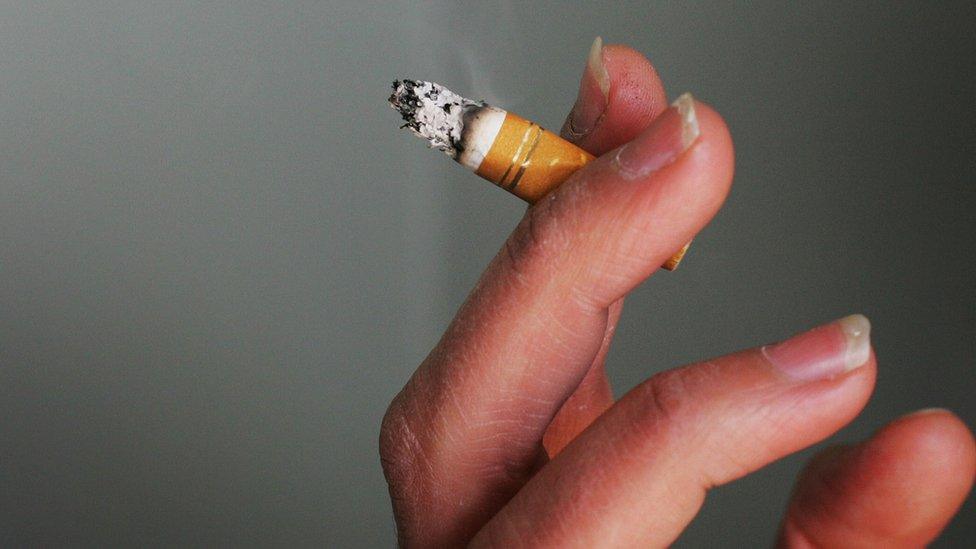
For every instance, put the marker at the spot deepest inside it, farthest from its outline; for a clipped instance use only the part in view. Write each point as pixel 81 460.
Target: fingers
pixel 605 225
pixel 639 474
pixel 620 94
pixel 469 423
pixel 897 489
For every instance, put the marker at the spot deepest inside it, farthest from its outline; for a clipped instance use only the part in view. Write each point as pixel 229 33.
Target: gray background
pixel 219 258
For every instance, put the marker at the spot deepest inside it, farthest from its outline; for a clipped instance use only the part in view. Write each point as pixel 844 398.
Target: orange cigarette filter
pixel 529 161
pixel 516 154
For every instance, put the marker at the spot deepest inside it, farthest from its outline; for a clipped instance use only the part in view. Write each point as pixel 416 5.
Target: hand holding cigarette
pixel 508 434
pixel 519 156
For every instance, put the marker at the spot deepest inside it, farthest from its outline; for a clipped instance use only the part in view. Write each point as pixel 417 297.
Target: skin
pixel 510 437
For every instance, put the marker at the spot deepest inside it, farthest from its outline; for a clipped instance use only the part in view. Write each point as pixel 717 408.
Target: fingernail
pixel 671 134
pixel 593 96
pixel 927 411
pixel 823 352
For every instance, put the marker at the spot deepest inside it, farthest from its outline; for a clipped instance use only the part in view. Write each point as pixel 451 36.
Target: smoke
pixel 475 48
pixel 474 40
pixel 477 78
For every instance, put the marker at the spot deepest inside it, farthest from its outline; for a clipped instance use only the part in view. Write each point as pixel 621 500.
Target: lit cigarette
pixel 517 155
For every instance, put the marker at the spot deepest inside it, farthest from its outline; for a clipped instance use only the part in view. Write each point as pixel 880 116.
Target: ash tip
pixel 405 100
pixel 432 112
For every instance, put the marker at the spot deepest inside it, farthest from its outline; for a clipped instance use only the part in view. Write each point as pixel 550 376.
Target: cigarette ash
pixel 433 113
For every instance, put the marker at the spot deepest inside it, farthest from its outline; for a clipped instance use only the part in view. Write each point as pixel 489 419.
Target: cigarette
pixel 515 154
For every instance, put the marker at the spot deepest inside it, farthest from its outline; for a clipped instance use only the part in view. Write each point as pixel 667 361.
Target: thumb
pixel 898 489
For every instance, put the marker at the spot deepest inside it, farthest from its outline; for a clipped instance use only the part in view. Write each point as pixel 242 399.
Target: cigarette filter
pixel 514 153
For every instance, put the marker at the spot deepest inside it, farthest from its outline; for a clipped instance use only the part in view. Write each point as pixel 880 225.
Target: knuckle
pixel 692 406
pixel 525 244
pixel 543 234
pixel 401 453
pixel 390 432
pixel 663 396
pixel 674 398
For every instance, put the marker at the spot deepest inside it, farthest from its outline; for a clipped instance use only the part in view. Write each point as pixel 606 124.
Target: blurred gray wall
pixel 219 258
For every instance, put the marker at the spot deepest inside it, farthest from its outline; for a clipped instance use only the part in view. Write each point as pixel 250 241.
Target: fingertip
pixel 705 171
pixel 634 207
pixel 922 467
pixel 940 442
pixel 635 83
pixel 636 98
pixel 843 398
pixel 716 139
pixel 898 488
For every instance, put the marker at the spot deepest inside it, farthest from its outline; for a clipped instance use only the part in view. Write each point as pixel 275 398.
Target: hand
pixel 507 435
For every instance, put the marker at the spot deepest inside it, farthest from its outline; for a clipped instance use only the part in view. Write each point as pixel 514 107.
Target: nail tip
pixel 683 99
pixel 857 331
pixel 596 65
pixel 690 130
pixel 856 325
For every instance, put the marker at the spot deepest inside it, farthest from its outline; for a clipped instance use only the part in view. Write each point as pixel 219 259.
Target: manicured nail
pixel 593 97
pixel 823 352
pixel 674 132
